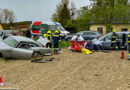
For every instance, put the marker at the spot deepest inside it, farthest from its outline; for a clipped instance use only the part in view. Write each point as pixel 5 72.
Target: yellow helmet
pixel 49 31
pixel 44 35
pixel 114 30
pixel 57 31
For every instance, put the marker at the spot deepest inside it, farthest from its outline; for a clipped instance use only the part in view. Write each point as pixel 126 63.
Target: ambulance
pixel 41 27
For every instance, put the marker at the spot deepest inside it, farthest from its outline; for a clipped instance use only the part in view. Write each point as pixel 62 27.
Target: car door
pixel 22 51
pixel 36 48
pixel 106 42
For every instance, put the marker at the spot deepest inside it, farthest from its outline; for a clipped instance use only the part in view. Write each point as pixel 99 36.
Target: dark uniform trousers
pixel 128 44
pixel 49 44
pixel 114 44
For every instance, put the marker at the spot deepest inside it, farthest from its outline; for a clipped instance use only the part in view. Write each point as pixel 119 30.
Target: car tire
pixel 36 53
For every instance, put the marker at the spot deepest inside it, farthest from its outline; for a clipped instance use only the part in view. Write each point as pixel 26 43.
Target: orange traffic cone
pixel 1 82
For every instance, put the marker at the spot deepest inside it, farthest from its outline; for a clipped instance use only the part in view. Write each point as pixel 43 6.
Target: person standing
pixel 28 33
pixel 114 39
pixel 49 37
pixel 56 39
pixel 128 42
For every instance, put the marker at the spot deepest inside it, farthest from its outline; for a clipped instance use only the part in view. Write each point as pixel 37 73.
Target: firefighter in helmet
pixel 49 37
pixel 128 41
pixel 56 40
pixel 114 39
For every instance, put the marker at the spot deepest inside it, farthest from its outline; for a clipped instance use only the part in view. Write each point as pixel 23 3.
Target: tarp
pixel 85 51
pixel 1 28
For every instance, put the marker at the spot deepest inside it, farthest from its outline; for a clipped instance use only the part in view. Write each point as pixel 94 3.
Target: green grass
pixel 64 44
pixel 2 59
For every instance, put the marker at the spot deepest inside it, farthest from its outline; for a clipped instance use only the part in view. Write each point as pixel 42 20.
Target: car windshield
pixel 79 33
pixel 60 28
pixel 11 42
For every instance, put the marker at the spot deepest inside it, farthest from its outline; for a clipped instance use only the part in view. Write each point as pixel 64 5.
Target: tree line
pixel 99 11
pixel 7 18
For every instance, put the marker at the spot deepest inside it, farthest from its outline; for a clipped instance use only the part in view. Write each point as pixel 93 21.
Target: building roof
pixel 115 21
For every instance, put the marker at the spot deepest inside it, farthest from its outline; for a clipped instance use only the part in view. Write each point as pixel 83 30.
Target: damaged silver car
pixel 19 47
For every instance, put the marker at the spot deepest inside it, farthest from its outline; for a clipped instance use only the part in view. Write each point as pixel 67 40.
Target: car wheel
pixel 36 53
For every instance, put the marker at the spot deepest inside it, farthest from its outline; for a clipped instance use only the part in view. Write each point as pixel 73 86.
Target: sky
pixel 34 10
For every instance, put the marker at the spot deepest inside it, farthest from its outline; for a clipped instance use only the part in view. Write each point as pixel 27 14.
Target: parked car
pixel 5 33
pixel 105 41
pixel 21 48
pixel 87 35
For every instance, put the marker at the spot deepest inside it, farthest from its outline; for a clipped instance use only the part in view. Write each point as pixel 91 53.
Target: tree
pixel 110 11
pixel 7 18
pixel 72 11
pixel 62 14
pixel 83 19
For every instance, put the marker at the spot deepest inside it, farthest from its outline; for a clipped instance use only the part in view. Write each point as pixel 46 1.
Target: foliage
pixel 62 14
pixel 65 14
pixel 64 44
pixel 110 11
pixel 99 12
pixel 83 19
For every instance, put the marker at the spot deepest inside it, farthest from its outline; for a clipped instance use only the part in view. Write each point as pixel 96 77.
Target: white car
pixel 19 47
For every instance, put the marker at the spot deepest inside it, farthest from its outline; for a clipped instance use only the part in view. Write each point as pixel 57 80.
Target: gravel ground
pixel 69 71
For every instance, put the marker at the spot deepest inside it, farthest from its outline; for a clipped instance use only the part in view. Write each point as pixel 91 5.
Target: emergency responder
pixel 49 37
pixel 128 41
pixel 73 41
pixel 56 40
pixel 114 39
pixel 44 35
pixel 80 40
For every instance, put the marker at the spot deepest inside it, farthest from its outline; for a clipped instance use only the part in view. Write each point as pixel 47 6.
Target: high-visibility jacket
pixel 114 38
pixel 128 41
pixel 56 39
pixel 49 37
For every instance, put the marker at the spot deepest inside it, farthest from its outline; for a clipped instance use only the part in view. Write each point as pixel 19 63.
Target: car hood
pixel 42 41
pixel 64 33
pixel 3 45
pixel 69 35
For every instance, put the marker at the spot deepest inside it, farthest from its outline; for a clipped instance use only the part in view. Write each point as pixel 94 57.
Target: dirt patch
pixel 70 71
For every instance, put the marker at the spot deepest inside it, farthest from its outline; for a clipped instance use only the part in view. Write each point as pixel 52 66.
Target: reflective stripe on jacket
pixel 128 41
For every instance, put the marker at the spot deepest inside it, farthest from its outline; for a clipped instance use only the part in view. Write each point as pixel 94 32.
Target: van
pixel 41 27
